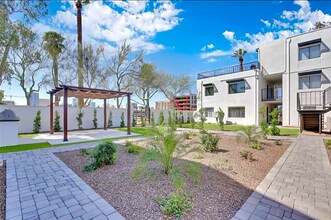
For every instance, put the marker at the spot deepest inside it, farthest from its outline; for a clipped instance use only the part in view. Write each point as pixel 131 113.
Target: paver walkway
pixel 297 187
pixel 41 186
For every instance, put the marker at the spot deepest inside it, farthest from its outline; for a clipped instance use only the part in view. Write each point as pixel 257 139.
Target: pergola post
pixel 65 114
pixel 105 114
pixel 129 114
pixel 51 125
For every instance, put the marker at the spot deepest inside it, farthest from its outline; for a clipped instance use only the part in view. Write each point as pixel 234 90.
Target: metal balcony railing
pixel 229 70
pixel 272 94
pixel 314 100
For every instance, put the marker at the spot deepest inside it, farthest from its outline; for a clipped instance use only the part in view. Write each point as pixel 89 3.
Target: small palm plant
pixel 249 134
pixel 240 54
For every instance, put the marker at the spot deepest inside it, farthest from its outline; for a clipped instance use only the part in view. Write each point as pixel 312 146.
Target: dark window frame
pixel 210 87
pixel 236 83
pixel 309 83
pixel 206 112
pixel 309 46
pixel 237 107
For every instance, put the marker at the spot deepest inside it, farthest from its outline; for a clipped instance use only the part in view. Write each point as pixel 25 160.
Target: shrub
pixel 132 149
pixel 79 119
pixel 249 134
pixel 248 155
pixel 152 120
pixel 37 123
pixel 103 154
pixel 110 120
pixel 328 142
pixel 180 119
pixel 256 145
pixel 161 118
pixel 263 122
pixel 220 115
pixel 192 122
pixel 122 125
pixel 274 130
pixel 95 120
pixel 209 142
pixel 85 152
pixel 57 126
pixel 278 142
pixel 134 123
pixel 175 205
pixel 187 135
pixel 202 118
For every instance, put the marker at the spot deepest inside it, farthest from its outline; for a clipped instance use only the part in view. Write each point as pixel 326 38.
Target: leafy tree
pixel 220 114
pixel 263 121
pixel 95 120
pixel 30 11
pixel 37 123
pixel 26 62
pixel 79 119
pixel 110 120
pixel 202 118
pixel 121 69
pixel 122 125
pixel 274 130
pixel 57 126
pixel 53 44
pixel 240 54
pixel 161 118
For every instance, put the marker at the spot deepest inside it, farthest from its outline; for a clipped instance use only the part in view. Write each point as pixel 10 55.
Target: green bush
pixel 175 205
pixel 192 122
pixel 278 142
pixel 274 130
pixel 328 142
pixel 209 142
pixel 134 123
pixel 57 126
pixel 131 148
pixel 249 134
pixel 247 155
pixel 161 118
pixel 85 152
pixel 187 135
pixel 202 118
pixel 122 125
pixel 263 122
pixel 37 123
pixel 110 120
pixel 256 145
pixel 103 154
pixel 220 115
pixel 95 120
pixel 188 119
pixel 79 119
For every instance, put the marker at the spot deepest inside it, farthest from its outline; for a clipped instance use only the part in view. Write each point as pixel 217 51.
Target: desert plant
pixel 278 142
pixel 103 154
pixel 57 126
pixel 187 135
pixel 110 120
pixel 122 125
pixel 37 122
pixel 209 142
pixel 202 118
pixel 220 115
pixel 256 145
pixel 131 148
pixel 161 118
pixel 248 155
pixel 328 142
pixel 95 120
pixel 249 134
pixel 134 123
pixel 263 121
pixel 152 120
pixel 79 119
pixel 192 122
pixel 175 205
pixel 85 152
pixel 274 130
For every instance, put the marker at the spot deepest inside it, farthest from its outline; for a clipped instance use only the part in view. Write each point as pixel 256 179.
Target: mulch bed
pixel 227 180
pixel 2 191
pixel 328 150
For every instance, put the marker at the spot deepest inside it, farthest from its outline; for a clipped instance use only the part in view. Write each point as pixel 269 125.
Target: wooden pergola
pixel 81 92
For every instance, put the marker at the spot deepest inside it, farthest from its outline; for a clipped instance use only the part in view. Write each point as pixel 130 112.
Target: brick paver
pixel 41 186
pixel 297 187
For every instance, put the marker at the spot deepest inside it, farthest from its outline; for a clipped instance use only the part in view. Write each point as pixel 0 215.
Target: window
pixel 236 112
pixel 310 82
pixel 209 90
pixel 209 112
pixel 237 87
pixel 309 52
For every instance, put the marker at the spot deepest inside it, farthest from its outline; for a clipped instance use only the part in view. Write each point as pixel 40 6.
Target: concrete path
pixel 297 187
pixel 40 186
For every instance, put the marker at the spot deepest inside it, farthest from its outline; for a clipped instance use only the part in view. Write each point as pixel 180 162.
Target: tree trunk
pixel 56 79
pixel 148 112
pixel 241 60
pixel 80 49
pixel 4 58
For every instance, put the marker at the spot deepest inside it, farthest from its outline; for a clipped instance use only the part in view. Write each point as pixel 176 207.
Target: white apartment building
pixel 292 74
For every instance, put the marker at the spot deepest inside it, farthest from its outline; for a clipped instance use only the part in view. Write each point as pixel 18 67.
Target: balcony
pixel 229 70
pixel 272 94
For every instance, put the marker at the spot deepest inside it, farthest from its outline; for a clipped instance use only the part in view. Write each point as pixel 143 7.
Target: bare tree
pixel 121 68
pixel 27 59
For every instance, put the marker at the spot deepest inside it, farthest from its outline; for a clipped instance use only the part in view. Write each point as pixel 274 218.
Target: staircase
pixel 311 107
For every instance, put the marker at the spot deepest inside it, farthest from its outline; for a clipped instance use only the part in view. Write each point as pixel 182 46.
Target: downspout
pixel 257 88
pixel 289 82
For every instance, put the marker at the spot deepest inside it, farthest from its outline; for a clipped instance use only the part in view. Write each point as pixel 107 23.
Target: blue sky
pixel 184 37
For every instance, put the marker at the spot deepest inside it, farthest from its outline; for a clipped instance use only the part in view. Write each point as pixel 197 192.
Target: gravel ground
pixel 2 191
pixel 227 180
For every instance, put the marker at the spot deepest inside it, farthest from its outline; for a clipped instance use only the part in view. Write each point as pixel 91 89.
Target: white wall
pixel 225 100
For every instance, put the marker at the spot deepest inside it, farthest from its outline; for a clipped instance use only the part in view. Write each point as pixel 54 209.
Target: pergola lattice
pixel 81 92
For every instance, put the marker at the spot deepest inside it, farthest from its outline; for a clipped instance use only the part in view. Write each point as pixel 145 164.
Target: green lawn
pixel 27 135
pixel 139 130
pixel 289 131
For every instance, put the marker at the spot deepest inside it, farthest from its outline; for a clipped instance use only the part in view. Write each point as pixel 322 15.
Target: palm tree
pixel 240 54
pixel 53 44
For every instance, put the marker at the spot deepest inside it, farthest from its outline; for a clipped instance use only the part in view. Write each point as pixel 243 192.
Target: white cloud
pixel 266 22
pixel 208 46
pixel 215 53
pixel 212 60
pixel 135 21
pixel 229 35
